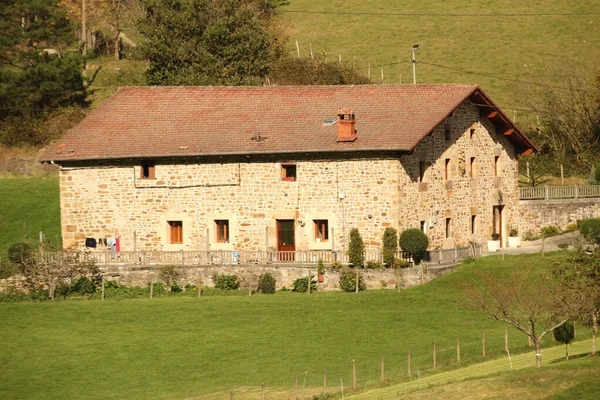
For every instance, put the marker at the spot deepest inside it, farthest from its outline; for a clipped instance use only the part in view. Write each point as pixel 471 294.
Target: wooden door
pixel 286 239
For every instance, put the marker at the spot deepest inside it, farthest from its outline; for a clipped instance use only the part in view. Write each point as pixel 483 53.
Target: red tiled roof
pixel 184 121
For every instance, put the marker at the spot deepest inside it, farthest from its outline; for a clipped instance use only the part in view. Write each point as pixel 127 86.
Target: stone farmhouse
pixel 289 168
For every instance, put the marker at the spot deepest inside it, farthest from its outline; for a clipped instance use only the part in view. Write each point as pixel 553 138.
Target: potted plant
pixel 321 271
pixel 513 239
pixel 494 244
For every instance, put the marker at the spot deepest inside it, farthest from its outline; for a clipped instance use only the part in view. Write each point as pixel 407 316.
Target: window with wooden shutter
pixel 288 172
pixel 147 169
pixel 222 229
pixel 321 230
pixel 176 232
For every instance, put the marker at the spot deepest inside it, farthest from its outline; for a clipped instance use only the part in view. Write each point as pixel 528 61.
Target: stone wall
pixel 284 275
pixel 369 191
pixel 535 214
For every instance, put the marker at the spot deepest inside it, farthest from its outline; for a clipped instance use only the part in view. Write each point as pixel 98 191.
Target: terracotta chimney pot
pixel 346 125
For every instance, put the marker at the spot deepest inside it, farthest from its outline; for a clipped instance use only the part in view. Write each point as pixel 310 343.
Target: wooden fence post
pixel 324 381
pixel 353 373
pixel 296 389
pixel 102 288
pixel 483 344
pixel 231 394
pixel 409 373
pixel 263 391
pixel 308 289
pixel 434 356
pixel 506 338
pixel 458 350
pixel 151 286
pixel 382 369
pixel 250 285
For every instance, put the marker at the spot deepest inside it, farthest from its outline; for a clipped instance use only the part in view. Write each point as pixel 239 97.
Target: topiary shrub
pixel 300 285
pixel 226 282
pixel 565 334
pixel 266 283
pixel 415 242
pixel 590 229
pixel 356 249
pixel 348 280
pixel 19 253
pixel 390 246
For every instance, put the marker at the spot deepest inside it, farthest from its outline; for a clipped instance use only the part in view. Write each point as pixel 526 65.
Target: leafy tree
pixel 356 249
pixel 205 42
pixel 37 79
pixel 266 283
pixel 521 298
pixel 390 246
pixel 288 70
pixel 565 334
pixel 590 229
pixel 415 242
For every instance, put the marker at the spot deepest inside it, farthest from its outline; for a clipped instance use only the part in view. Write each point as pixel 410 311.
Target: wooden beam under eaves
pixel 491 115
pixel 509 132
pixel 528 151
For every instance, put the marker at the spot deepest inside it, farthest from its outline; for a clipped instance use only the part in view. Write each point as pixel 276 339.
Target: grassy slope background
pixel 28 206
pixel 528 48
pixel 177 347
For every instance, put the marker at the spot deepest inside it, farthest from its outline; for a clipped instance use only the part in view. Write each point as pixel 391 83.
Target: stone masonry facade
pixel 448 186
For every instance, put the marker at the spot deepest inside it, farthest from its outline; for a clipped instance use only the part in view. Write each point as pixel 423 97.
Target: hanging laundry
pixel 90 243
pixel 118 245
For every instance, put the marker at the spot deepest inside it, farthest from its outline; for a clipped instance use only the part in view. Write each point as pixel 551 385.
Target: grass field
pixel 29 205
pixel 181 347
pixel 527 48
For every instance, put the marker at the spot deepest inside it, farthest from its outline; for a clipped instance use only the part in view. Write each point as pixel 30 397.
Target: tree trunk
pixel 594 331
pixel 567 352
pixel 84 41
pixel 118 46
pixel 538 352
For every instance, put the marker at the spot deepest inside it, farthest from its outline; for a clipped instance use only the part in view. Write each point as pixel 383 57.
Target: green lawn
pixel 524 48
pixel 29 205
pixel 179 347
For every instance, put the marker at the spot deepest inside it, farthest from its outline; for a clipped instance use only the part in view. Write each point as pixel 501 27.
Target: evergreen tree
pixel 356 249
pixel 390 246
pixel 36 79
pixel 204 42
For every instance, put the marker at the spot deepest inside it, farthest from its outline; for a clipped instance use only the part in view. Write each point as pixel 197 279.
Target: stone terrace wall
pixel 535 214
pixel 284 275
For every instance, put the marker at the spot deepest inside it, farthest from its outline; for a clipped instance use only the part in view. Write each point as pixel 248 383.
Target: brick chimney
pixel 346 125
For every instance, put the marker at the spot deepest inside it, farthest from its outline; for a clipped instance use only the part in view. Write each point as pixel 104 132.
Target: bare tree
pixel 519 299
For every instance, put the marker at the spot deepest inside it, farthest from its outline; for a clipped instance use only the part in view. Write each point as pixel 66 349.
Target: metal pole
pixel 414 64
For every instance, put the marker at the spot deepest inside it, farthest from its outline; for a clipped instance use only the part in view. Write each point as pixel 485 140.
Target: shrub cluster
pixel 266 283
pixel 348 280
pixel 226 282
pixel 19 253
pixel 300 285
pixel 590 229
pixel 548 231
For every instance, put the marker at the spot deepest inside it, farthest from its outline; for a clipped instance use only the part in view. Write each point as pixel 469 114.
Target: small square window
pixel 448 131
pixel 176 232
pixel 147 169
pixel 423 225
pixel 222 229
pixel 473 224
pixel 448 225
pixel 321 230
pixel 288 172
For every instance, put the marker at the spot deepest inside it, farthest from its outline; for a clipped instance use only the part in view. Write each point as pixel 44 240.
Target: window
pixel 222 229
pixel 447 131
pixel 176 232
pixel 422 168
pixel 496 158
pixel 471 133
pixel 423 226
pixel 288 172
pixel 321 230
pixel 472 167
pixel 447 169
pixel 147 169
pixel 448 223
pixel 473 222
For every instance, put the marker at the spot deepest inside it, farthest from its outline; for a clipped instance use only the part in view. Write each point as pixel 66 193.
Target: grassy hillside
pixel 176 347
pixel 29 205
pixel 526 48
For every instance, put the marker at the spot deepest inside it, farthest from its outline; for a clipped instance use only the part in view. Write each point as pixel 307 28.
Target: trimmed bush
pixel 266 283
pixel 374 265
pixel 83 285
pixel 548 231
pixel 415 242
pixel 226 282
pixel 356 249
pixel 336 265
pixel 348 280
pixel 19 253
pixel 300 285
pixel 390 246
pixel 590 229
